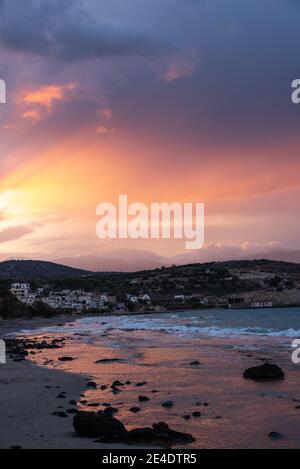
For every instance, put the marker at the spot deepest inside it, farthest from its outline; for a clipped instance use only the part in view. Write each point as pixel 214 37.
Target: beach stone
pixel 135 410
pixel 91 384
pixel 107 360
pixel 266 371
pixel 275 436
pixel 60 414
pixel 72 411
pixel 143 383
pixel 160 434
pixel 98 424
pixel 144 399
pixel 111 410
pixel 168 404
pixel 117 383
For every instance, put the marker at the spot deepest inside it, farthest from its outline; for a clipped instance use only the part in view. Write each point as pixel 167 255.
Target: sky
pixel 165 101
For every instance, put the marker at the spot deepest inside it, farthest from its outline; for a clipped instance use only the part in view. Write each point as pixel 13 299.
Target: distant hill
pixel 118 260
pixel 24 270
pixel 35 270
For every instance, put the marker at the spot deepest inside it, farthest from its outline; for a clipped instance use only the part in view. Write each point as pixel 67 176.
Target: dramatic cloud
pixel 63 30
pixel 39 101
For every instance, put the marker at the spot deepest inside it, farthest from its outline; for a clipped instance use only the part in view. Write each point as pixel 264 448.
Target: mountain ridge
pixel 25 270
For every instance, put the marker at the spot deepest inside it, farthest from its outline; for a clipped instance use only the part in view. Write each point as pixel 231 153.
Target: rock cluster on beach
pixel 108 429
pixel 265 371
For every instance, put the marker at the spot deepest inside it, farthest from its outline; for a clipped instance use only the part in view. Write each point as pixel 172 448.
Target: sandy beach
pixel 201 376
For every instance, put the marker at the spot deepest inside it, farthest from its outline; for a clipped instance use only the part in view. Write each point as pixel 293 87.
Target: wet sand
pixel 235 413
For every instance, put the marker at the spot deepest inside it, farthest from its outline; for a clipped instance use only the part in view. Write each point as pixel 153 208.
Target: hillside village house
pixel 75 300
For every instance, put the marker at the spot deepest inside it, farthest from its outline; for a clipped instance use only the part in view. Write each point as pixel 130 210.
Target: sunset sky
pixel 163 100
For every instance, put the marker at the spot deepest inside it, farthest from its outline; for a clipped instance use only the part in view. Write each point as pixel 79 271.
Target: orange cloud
pixel 39 102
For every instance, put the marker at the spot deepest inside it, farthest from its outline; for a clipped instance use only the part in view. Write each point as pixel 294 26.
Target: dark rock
pixel 275 436
pixel 196 414
pixel 65 359
pixel 186 417
pixel 297 407
pixel 106 404
pixel 114 432
pixel 111 410
pixel 103 387
pixel 99 425
pixel 73 403
pixel 116 391
pixel 117 384
pixel 160 434
pixel 107 360
pixel 135 410
pixel 168 404
pixel 144 399
pixel 91 384
pixel 195 363
pixel 93 404
pixel 143 383
pixel 60 414
pixel 266 371
pixel 61 396
pixel 83 402
pixel 72 411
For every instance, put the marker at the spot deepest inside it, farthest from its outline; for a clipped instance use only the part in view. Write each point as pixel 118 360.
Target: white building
pixel 145 298
pixel 262 304
pixel 20 290
pixel 132 299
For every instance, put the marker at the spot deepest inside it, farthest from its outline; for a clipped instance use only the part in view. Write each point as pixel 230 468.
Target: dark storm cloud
pixel 63 29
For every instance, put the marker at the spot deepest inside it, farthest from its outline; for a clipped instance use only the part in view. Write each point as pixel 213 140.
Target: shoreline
pixel 30 397
pixel 239 411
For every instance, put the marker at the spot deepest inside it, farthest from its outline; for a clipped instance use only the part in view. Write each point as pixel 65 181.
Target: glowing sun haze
pixel 180 100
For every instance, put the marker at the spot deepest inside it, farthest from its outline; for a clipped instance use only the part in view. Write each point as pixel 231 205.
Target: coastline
pixel 29 398
pixel 237 412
